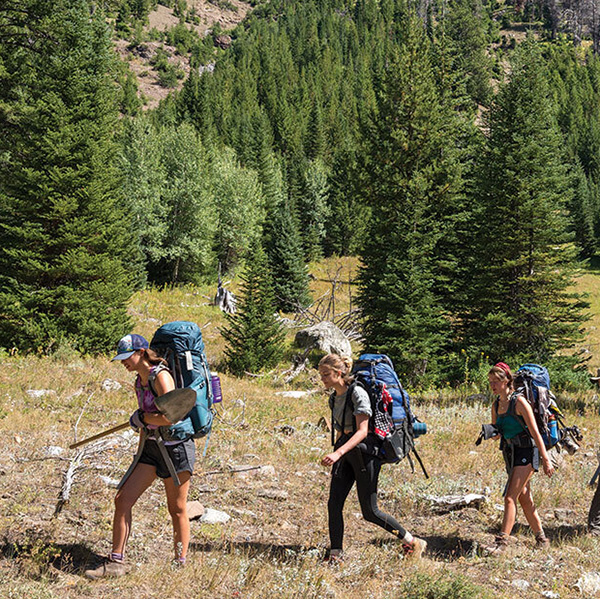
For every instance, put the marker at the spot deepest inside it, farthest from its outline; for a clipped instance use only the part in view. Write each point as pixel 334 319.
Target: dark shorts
pixel 522 456
pixel 183 456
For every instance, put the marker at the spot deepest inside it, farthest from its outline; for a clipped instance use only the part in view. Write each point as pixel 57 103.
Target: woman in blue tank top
pixel 522 447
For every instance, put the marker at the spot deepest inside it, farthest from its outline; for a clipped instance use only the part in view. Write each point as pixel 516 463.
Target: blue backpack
pixel 180 344
pixel 375 373
pixel 533 382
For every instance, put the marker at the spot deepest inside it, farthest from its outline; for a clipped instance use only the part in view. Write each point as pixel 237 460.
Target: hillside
pixel 262 468
pixel 206 15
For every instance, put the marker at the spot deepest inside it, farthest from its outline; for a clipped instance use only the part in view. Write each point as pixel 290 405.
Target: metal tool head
pixel 176 404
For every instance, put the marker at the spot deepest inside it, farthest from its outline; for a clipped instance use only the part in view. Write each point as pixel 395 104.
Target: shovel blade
pixel 176 404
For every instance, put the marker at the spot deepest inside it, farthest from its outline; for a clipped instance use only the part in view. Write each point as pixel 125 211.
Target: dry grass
pixel 273 546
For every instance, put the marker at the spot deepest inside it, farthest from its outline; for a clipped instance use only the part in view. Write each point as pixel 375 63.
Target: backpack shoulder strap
pixel 512 408
pixel 154 372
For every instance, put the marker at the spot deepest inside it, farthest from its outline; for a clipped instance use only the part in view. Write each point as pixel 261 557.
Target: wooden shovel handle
pixel 100 435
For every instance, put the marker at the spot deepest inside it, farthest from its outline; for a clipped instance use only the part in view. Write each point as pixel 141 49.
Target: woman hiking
pixel 355 459
pixel 171 461
pixel 522 448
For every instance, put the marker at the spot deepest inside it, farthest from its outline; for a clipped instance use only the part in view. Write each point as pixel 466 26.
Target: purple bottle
pixel 215 385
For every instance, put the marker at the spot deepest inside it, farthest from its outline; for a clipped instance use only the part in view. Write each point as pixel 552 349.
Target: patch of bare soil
pixel 163 19
pixel 139 60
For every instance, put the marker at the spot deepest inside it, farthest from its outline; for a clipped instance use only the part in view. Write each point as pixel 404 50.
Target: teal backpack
pixel 180 344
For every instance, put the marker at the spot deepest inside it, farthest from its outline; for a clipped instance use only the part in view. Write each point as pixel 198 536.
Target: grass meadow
pixel 262 467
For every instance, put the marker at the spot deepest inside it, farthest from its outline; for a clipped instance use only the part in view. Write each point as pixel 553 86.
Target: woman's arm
pixel 163 383
pixel 523 409
pixel 362 430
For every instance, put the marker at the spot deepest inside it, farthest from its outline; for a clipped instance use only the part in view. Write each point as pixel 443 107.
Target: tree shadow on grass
pixel 284 552
pixel 445 548
pixel 71 558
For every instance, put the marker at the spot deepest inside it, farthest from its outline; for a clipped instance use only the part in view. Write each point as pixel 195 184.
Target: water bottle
pixel 215 385
pixel 552 430
pixel 419 428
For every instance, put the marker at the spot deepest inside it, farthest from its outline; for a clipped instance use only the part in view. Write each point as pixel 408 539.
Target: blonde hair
pixel 342 364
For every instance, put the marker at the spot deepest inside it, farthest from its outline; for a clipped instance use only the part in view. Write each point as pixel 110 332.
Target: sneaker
pixel 542 542
pixel 499 546
pixel 416 550
pixel 334 558
pixel 107 569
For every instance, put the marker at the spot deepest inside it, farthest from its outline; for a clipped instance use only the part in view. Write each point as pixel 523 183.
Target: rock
pixel 113 483
pixel 261 472
pixel 294 394
pixel 214 517
pixel 223 41
pixel 520 584
pixel 589 584
pixel 277 494
pixel 326 337
pixel 550 595
pixel 110 385
pixel 285 429
pixel 453 502
pixel 206 489
pixel 37 393
pixel 195 510
pixel 564 515
pixel 243 512
pixel 53 451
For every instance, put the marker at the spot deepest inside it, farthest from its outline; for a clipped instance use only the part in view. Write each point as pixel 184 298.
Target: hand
pixel 136 421
pixel 548 467
pixel 331 458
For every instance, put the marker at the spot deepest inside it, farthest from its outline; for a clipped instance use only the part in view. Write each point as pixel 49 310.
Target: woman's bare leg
pixel 177 504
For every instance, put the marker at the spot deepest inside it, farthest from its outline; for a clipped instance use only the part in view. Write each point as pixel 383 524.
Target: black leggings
pixel 364 469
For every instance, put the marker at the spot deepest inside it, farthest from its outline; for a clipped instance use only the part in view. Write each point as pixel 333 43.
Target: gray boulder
pixel 326 337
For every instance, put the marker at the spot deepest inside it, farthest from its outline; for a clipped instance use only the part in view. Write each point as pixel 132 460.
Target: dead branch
pixel 230 470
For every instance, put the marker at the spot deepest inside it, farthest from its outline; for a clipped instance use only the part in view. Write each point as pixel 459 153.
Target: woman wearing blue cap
pixel 171 461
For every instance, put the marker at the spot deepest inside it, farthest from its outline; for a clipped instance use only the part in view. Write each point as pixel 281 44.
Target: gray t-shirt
pixel 360 402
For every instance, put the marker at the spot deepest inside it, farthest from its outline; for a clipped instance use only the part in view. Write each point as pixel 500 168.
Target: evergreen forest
pixel 452 146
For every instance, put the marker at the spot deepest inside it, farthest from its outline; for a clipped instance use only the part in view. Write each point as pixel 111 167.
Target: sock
pixel 408 539
pixel 116 557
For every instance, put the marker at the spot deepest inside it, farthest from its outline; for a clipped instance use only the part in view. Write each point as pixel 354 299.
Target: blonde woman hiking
pixel 354 459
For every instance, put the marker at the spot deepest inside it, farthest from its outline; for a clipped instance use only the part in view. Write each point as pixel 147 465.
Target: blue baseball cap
pixel 128 345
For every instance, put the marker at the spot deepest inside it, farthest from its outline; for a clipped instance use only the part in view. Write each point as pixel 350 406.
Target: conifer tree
pixel 281 239
pixel 411 176
pixel 65 244
pixel 522 306
pixel 253 334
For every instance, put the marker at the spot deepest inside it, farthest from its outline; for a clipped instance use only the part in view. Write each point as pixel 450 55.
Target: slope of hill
pixel 204 17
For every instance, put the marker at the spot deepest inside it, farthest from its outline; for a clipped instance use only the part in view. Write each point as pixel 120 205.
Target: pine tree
pixel 522 306
pixel 64 241
pixel 253 334
pixel 281 239
pixel 411 176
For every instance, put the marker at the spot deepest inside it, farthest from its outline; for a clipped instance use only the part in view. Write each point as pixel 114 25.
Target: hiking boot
pixel 499 546
pixel 334 558
pixel 107 569
pixel 542 542
pixel 416 550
